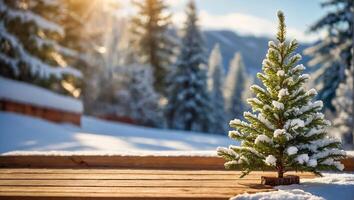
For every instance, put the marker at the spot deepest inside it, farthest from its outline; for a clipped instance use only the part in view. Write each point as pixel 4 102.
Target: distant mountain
pixel 253 49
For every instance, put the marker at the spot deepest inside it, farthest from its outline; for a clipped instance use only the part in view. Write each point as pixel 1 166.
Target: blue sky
pixel 300 13
pixel 254 17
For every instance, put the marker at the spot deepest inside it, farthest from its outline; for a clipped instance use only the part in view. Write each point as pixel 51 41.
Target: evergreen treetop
pixel 150 39
pixel 215 84
pixel 286 130
pixel 235 85
pixel 188 105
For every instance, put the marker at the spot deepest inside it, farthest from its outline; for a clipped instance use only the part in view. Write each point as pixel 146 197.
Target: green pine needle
pixel 281 27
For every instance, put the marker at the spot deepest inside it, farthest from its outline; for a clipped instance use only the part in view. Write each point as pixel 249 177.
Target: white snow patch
pixel 265 121
pixel 270 160
pixel 278 105
pixel 25 133
pixel 291 150
pixel 333 186
pixel 337 164
pixel 262 138
pixel 294 123
pixel 294 194
pixel 312 163
pixel 302 158
pixel 312 92
pixel 282 93
pixel 298 68
pixel 271 43
pixel 280 73
pixel 350 153
pixel 278 132
pixel 26 93
pixel 113 153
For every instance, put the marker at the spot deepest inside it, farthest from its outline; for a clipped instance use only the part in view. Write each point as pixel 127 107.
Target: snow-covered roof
pixel 26 93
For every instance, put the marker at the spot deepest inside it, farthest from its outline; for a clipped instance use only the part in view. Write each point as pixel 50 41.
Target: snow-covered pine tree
pixel 94 30
pixel 188 105
pixel 235 85
pixel 333 52
pixel 129 84
pixel 215 85
pixel 343 104
pixel 286 130
pixel 138 99
pixel 29 50
pixel 150 39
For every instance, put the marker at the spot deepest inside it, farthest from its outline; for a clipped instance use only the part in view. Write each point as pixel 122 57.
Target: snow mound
pixel 333 186
pixel 294 194
pixel 21 133
pixel 25 93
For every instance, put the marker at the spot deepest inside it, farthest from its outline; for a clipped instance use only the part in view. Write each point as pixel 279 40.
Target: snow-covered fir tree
pixel 188 105
pixel 150 39
pixel 344 106
pixel 29 49
pixel 333 53
pixel 286 130
pixel 235 86
pixel 143 99
pixel 215 85
pixel 103 30
pixel 126 88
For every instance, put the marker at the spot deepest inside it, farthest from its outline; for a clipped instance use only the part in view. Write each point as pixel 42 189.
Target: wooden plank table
pixel 55 184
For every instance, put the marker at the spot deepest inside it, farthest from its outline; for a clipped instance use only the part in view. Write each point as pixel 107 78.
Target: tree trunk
pixel 280 173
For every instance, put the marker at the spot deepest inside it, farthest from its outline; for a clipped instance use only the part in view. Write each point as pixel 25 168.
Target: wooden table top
pixel 52 184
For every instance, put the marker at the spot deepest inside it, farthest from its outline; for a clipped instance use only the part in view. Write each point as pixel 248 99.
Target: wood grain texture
pixel 126 177
pixel 125 162
pixel 55 184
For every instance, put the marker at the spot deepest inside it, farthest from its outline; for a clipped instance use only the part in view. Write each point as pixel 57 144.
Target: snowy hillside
pixel 23 133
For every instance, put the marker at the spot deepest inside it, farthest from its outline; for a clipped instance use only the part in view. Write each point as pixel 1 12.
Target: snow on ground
pixel 333 186
pixel 26 93
pixel 350 153
pixel 24 133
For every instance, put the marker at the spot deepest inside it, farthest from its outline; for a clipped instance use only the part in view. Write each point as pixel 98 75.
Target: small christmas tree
pixel 286 130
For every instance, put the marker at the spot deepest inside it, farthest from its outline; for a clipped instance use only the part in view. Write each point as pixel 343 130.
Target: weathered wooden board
pixel 128 184
pixel 126 177
pixel 121 162
pixel 131 162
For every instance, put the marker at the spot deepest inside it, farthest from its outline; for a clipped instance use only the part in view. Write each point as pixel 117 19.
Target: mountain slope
pixel 253 49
